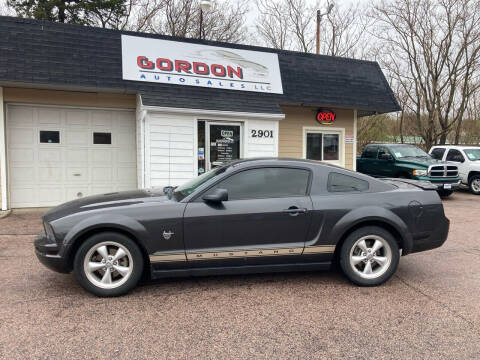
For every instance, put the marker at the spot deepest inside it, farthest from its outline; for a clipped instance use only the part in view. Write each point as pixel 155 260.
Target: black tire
pixel 445 193
pixel 349 244
pixel 471 182
pixel 135 257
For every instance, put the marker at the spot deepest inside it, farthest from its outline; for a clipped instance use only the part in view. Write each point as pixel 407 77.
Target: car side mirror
pixel 218 196
pixel 387 157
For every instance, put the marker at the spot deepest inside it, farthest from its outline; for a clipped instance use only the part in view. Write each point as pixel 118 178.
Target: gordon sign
pixel 172 62
pixel 325 116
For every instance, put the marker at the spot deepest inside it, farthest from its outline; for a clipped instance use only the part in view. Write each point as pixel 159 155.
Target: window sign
pixel 325 116
pixel 225 143
pixel 180 63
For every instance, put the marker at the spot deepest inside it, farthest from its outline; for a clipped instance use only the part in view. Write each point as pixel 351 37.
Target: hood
pixel 425 162
pixel 109 200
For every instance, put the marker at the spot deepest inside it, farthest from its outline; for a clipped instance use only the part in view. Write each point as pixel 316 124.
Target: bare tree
pixel 273 26
pixel 301 18
pixel 432 50
pixel 343 31
pixel 223 22
pixel 291 24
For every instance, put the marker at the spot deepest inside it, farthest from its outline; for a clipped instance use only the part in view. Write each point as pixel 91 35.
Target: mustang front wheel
pixel 369 256
pixel 108 264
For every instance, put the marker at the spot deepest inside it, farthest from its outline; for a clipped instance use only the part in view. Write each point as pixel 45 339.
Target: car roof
pixel 457 146
pixel 391 144
pixel 278 161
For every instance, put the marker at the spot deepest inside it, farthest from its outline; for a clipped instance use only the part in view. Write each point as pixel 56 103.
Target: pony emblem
pixel 167 235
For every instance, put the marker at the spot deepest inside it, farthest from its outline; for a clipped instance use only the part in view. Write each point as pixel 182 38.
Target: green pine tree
pixel 104 13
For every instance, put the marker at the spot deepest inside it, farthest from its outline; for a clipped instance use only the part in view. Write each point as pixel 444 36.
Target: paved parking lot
pixel 429 309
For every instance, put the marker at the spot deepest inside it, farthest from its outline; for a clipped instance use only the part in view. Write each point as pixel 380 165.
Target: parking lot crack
pixel 443 305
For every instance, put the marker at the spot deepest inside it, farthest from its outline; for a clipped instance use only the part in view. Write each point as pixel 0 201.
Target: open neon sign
pixel 325 117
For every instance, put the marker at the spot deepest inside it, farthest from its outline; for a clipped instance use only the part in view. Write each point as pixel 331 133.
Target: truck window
pixel 455 155
pixel 437 153
pixel 382 150
pixel 370 152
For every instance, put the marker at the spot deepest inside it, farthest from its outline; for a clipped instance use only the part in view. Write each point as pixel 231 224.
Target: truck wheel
pixel 369 256
pixel 445 193
pixel 108 264
pixel 474 184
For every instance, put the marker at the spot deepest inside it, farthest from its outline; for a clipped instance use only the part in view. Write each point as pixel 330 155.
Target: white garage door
pixel 56 154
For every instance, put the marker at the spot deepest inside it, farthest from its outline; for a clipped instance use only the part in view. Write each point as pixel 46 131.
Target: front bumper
pixel 48 253
pixel 432 240
pixel 447 186
pixel 442 184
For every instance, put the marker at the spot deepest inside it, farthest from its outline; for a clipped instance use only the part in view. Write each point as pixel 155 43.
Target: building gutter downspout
pixel 3 154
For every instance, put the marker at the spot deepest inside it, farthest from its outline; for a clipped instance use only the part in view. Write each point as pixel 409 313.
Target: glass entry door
pixel 224 143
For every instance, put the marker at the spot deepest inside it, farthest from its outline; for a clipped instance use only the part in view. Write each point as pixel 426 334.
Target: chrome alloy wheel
pixel 476 185
pixel 370 256
pixel 108 265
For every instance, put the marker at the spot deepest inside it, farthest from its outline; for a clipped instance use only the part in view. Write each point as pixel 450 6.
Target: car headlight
pixel 49 230
pixel 419 172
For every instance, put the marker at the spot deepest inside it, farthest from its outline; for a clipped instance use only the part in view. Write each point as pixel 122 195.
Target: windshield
pixel 473 154
pixel 190 186
pixel 408 151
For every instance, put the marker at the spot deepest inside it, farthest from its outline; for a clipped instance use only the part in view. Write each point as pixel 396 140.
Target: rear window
pixel 344 183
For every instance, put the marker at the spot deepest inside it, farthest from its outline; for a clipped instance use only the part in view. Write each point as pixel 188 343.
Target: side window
pixel 344 183
pixel 455 155
pixel 382 150
pixel 437 153
pixel 370 152
pixel 265 183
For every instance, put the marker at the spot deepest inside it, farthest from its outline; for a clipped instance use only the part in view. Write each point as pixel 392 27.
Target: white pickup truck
pixel 467 158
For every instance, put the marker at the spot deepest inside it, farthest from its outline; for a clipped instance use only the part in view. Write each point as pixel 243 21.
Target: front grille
pixel 439 171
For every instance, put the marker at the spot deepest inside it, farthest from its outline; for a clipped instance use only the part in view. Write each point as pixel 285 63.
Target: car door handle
pixel 294 211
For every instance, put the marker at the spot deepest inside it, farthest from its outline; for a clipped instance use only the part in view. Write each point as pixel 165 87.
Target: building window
pixel 49 137
pixel 322 146
pixel 314 146
pixel 102 138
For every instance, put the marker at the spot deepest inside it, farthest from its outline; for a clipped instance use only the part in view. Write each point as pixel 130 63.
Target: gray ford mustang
pixel 259 215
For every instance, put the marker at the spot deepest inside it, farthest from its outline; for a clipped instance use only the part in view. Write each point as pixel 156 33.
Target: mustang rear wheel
pixel 108 264
pixel 369 256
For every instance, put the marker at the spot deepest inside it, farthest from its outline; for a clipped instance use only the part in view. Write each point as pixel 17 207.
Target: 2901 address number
pixel 262 133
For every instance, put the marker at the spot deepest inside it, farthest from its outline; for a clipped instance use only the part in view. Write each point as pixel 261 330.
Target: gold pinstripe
pixel 209 255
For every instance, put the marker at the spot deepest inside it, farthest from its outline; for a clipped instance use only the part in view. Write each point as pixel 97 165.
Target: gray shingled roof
pixel 72 56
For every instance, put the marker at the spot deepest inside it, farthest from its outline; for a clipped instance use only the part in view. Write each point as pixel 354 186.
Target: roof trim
pixel 206 112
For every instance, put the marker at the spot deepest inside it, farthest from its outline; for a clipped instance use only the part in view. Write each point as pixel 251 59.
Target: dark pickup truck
pixel 409 162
